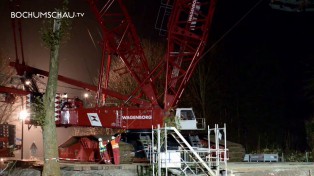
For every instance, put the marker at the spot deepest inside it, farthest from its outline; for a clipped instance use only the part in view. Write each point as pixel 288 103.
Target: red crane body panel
pixel 112 117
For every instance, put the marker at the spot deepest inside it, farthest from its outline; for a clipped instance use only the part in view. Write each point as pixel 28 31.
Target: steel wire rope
pixel 232 27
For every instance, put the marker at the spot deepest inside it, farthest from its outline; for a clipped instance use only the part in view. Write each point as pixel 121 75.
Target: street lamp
pixel 86 95
pixel 27 82
pixel 23 115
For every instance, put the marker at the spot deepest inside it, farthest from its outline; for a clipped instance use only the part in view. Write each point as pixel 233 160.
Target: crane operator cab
pixel 187 120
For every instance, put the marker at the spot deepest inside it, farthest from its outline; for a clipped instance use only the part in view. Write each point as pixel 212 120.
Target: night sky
pixel 262 66
pixel 266 63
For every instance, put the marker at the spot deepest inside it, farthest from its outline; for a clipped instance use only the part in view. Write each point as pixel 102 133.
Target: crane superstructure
pixel 188 31
pixel 147 105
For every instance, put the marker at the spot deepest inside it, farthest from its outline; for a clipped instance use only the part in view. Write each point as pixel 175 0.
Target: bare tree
pixel 52 36
pixel 51 165
pixel 6 107
pixel 124 83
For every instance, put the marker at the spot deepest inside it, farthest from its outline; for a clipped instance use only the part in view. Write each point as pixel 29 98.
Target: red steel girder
pixel 120 37
pixel 31 70
pixel 189 26
pixel 12 90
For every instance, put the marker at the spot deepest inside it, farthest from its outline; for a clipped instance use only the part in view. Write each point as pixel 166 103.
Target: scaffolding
pixel 186 158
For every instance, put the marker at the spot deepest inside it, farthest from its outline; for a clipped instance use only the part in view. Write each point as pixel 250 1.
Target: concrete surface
pixel 271 169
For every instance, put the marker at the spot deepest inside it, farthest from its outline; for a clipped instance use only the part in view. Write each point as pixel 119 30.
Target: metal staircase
pixel 188 158
pixel 196 143
pixel 192 154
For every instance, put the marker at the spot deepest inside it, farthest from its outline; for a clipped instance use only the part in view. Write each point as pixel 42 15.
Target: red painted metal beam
pixel 13 90
pixel 120 36
pixel 189 26
pixel 24 68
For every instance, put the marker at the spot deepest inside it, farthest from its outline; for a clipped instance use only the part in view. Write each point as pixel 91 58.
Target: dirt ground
pixel 234 169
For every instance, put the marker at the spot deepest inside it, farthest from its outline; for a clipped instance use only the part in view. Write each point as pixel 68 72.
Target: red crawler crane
pixel 145 107
pixel 188 30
